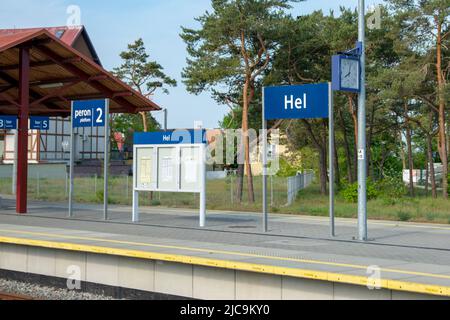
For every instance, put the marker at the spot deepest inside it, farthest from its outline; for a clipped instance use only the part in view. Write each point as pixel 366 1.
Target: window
pixel 59 33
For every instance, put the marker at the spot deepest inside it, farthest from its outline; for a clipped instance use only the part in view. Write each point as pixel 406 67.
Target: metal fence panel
pixel 297 183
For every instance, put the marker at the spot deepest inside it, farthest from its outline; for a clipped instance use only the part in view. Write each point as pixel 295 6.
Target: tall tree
pixel 426 27
pixel 231 50
pixel 144 75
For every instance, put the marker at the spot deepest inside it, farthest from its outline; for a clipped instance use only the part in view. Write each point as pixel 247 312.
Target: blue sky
pixel 114 24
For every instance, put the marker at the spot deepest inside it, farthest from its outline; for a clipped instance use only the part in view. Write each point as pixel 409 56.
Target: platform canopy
pixel 41 72
pixel 57 74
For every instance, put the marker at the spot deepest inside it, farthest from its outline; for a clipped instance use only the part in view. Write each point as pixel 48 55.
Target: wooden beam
pixel 57 93
pixel 39 64
pixel 22 140
pixel 83 75
pixel 33 94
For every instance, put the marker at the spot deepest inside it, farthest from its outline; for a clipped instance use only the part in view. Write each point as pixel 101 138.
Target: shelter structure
pixel 40 75
pixel 50 146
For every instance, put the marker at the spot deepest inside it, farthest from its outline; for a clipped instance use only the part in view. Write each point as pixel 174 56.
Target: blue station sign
pixel 309 101
pixel 8 122
pixel 91 113
pixel 175 137
pixel 40 123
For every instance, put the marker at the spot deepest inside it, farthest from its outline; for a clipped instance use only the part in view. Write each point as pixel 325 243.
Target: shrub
pixel 350 192
pixel 392 188
pixel 155 203
pixel 404 216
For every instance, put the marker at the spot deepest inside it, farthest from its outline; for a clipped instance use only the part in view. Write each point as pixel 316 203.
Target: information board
pixel 170 161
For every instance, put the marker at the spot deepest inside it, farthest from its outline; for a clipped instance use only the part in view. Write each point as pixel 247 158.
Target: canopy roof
pixel 58 74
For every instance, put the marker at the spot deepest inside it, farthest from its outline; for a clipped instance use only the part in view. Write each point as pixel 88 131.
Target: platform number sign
pixel 89 113
pixel 8 122
pixel 40 123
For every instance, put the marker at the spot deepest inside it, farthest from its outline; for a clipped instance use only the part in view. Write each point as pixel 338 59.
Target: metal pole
pixel 135 216
pixel 165 118
pixel 37 185
pixel 66 187
pixel 362 166
pixel 271 191
pixel 128 188
pixel 331 157
pixel 203 187
pixel 72 155
pixel 264 125
pixel 14 171
pixel 106 162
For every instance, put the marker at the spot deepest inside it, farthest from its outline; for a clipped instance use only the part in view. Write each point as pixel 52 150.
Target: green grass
pixel 219 197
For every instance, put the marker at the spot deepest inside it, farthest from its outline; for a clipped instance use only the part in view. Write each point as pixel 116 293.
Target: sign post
pixel 106 162
pixel 362 164
pixel 332 159
pixel 89 114
pixel 349 74
pixel 265 136
pixel 311 101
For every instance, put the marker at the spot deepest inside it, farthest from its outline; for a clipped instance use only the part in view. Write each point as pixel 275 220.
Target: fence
pixel 297 183
pixel 221 192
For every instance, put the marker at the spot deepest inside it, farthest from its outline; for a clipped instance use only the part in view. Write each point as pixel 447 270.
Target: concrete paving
pixel 411 252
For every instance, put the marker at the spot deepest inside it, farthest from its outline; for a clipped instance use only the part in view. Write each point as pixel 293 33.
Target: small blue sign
pixel 8 122
pixel 90 113
pixel 309 101
pixel 40 123
pixel 174 137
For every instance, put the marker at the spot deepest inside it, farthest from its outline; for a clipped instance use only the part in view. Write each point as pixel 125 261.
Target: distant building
pixel 53 145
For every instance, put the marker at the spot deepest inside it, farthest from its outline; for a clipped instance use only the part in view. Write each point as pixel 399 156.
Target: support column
pixel 22 136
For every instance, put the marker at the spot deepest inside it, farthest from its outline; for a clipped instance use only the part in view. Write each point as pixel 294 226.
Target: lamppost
pixel 362 152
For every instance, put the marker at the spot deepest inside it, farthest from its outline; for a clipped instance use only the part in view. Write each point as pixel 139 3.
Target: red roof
pixel 54 61
pixel 68 34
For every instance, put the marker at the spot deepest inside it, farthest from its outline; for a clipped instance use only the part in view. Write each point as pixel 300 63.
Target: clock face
pixel 350 74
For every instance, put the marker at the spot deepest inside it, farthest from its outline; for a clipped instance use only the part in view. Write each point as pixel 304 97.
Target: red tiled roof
pixel 54 61
pixel 69 35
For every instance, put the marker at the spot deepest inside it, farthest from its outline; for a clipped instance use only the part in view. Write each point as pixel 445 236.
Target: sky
pixel 113 24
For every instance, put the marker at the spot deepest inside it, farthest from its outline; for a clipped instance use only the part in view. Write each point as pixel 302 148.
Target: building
pixel 53 145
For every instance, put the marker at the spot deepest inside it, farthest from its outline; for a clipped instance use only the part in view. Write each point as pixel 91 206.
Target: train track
pixel 12 297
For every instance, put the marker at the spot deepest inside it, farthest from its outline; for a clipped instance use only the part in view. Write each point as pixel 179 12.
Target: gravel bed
pixel 45 293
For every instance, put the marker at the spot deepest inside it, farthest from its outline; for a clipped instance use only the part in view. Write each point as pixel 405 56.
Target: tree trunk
pixel 144 121
pixel 402 152
pixel 336 163
pixel 240 183
pixel 323 170
pixel 442 128
pixel 370 171
pixel 431 166
pixel 248 167
pixel 410 155
pixel 348 154
pixel 354 115
pixel 427 174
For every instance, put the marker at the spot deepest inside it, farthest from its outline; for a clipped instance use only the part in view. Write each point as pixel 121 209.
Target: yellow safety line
pixel 235 253
pixel 241 266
